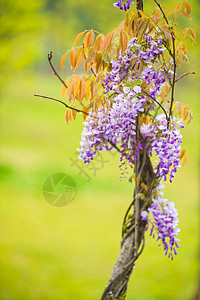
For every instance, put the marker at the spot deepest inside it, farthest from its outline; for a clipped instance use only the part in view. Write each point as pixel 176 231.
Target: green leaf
pixel 137 82
pixel 130 85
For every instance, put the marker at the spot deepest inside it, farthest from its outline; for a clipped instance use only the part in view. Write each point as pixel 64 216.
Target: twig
pixel 164 16
pixel 50 55
pixel 174 78
pixel 114 145
pixel 157 103
pixel 126 214
pixel 185 74
pixel 54 99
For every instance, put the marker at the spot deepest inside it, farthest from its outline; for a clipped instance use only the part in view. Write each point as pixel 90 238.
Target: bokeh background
pixel 68 253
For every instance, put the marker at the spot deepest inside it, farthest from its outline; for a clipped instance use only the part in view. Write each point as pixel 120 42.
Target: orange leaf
pixel 185 160
pixel 177 7
pixel 68 116
pixel 88 40
pixel 190 118
pixel 74 113
pixel 188 7
pixel 77 39
pixel 63 59
pixel 76 88
pixel 87 90
pixel 182 12
pixel 193 33
pixel 79 57
pixel 70 89
pixel 63 89
pixel 82 90
pixel 182 153
pixel 123 41
pixel 98 43
pixel 72 58
pixel 107 41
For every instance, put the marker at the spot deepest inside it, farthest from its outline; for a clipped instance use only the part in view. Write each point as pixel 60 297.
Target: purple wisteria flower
pixel 162 220
pixel 123 6
pixel 123 71
pixel 166 143
pixel 116 126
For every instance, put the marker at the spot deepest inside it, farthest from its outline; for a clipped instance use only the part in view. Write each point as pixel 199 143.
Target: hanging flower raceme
pixel 114 127
pixel 166 143
pixel 123 70
pixel 134 83
pixel 163 222
pixel 123 4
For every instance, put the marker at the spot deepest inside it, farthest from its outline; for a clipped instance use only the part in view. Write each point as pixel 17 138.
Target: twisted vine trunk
pixel 133 238
pixel 132 243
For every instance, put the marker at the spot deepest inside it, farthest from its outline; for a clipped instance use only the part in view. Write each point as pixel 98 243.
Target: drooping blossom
pixel 165 143
pixel 123 4
pixel 163 222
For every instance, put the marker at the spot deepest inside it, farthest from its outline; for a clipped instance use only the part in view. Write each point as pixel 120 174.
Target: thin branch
pixel 174 78
pixel 164 16
pixel 174 61
pixel 126 214
pixel 185 74
pixel 70 107
pixel 114 146
pixel 50 55
pixel 157 103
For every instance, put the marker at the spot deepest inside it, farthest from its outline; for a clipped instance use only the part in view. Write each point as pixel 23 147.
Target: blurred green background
pixel 68 253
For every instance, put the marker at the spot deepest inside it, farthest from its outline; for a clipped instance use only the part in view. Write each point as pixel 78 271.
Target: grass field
pixel 68 253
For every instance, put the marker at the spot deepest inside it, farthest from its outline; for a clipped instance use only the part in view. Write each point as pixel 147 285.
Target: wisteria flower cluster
pixel 123 71
pixel 119 123
pixel 117 126
pixel 162 219
pixel 123 5
pixel 166 143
